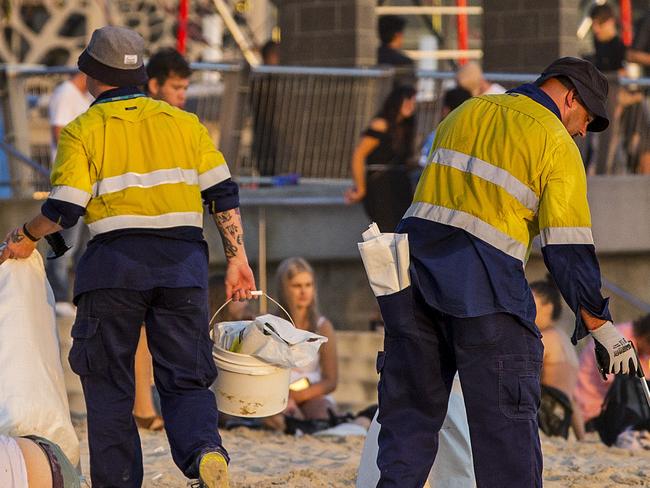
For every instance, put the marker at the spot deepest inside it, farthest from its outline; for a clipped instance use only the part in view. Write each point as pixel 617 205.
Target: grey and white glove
pixel 614 353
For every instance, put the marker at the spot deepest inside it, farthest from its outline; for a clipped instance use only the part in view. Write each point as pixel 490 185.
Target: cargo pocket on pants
pixel 87 355
pixel 397 311
pixel 519 388
pixel 206 370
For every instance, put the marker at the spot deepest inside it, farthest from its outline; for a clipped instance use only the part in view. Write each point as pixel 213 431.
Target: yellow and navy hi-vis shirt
pixel 502 170
pixel 139 171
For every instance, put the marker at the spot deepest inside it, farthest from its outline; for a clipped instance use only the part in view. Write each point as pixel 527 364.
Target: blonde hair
pixel 286 271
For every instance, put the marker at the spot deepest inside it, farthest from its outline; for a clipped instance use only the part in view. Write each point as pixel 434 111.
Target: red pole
pixel 461 28
pixel 181 35
pixel 626 21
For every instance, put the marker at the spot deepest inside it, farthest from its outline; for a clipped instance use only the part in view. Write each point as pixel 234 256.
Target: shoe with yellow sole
pixel 213 471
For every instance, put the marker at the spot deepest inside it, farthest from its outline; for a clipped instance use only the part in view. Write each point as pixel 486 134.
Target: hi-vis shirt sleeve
pixel 567 242
pixel 72 184
pixel 218 190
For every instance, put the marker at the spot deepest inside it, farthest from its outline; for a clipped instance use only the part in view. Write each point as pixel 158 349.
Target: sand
pixel 265 459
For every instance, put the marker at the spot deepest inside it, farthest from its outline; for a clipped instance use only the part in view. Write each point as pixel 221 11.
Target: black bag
pixel 624 407
pixel 555 412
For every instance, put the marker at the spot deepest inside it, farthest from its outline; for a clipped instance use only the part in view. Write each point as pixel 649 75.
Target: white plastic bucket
pixel 247 386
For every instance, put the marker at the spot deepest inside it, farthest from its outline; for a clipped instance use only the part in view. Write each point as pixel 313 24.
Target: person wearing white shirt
pixel 69 100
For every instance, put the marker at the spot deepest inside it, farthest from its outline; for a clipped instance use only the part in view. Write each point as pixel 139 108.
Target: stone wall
pixel 526 35
pixel 328 32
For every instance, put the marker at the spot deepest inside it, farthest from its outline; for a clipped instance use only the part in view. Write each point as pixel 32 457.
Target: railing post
pixel 233 99
pixel 14 108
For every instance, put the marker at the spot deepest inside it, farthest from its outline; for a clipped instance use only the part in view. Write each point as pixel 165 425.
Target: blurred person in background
pixel 391 40
pixel 639 53
pixel 609 50
pixel 69 100
pixel 560 363
pixel 382 160
pixel 270 53
pixel 391 37
pixel 311 385
pixel 470 77
pixel 263 105
pixel 169 77
pixel 591 389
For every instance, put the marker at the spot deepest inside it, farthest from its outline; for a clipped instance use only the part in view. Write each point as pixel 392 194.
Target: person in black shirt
pixel 391 36
pixel 610 50
pixel 381 161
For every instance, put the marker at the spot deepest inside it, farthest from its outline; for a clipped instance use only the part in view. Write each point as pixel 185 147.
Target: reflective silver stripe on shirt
pixel 473 225
pixel 566 235
pixel 174 219
pixel 489 172
pixel 145 180
pixel 214 176
pixel 71 195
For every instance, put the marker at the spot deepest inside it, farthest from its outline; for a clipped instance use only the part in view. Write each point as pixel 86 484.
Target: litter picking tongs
pixel 644 382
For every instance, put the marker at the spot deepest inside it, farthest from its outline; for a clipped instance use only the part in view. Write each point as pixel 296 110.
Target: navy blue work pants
pixel 499 362
pixel 106 332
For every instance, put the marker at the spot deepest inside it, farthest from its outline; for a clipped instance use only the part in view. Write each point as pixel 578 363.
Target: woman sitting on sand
pixel 310 385
pixel 560 363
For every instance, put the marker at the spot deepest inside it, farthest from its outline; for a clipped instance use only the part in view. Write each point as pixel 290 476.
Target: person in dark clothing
pixel 391 36
pixel 609 48
pixel 639 53
pixel 263 106
pixel 380 162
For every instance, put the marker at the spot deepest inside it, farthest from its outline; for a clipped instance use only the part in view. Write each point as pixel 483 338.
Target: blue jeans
pixel 106 333
pixel 499 362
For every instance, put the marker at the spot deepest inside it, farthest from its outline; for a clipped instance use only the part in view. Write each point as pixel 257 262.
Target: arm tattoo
pixel 16 237
pixel 230 231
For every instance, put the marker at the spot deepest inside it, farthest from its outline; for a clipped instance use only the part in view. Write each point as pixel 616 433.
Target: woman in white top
pixel 311 385
pixel 560 364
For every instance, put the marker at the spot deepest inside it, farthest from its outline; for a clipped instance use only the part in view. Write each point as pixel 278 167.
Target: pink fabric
pixel 591 389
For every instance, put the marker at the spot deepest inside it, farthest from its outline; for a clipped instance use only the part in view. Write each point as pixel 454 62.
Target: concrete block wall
pixel 526 35
pixel 357 351
pixel 327 32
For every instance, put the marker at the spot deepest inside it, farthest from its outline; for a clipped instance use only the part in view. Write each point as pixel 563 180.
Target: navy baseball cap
pixel 591 85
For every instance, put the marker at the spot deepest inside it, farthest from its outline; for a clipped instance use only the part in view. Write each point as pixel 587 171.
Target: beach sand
pixel 264 459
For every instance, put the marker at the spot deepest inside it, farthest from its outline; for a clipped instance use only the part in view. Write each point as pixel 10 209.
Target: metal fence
pixel 277 119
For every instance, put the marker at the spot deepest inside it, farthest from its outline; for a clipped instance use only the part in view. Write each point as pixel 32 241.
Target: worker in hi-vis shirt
pixel 139 171
pixel 502 169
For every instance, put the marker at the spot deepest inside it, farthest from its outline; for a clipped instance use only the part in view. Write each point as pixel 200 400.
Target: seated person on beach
pixel 34 462
pixel 560 362
pixel 591 389
pixel 311 385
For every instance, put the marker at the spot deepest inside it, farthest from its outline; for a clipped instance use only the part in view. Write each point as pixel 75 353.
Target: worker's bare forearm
pixel 41 226
pixel 232 234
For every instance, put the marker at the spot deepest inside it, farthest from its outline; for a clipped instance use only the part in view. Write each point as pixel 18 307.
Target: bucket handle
pixel 255 293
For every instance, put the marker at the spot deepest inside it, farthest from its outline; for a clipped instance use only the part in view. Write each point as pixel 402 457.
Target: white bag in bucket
pixel 276 341
pixel 33 399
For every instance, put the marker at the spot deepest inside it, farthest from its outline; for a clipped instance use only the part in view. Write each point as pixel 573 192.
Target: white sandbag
pixel 276 341
pixel 33 398
pixel 453 467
